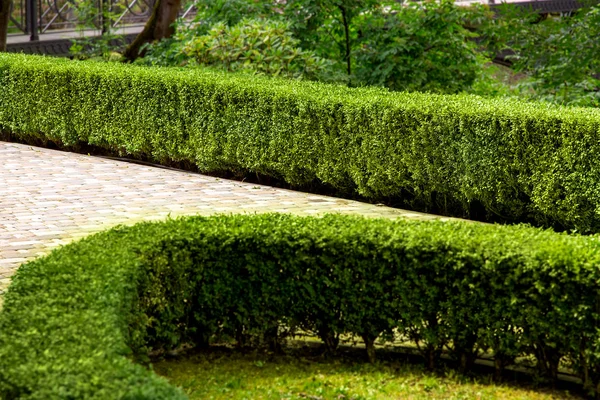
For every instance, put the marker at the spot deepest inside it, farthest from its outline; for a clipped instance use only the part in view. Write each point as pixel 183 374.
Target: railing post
pixel 32 20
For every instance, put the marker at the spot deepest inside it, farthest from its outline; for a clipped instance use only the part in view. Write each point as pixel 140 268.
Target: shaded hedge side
pixel 73 321
pixel 519 161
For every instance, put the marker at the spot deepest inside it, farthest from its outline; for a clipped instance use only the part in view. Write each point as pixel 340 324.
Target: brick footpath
pixel 49 198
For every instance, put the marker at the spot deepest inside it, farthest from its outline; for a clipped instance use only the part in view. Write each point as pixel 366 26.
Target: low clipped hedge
pixel 457 155
pixel 75 321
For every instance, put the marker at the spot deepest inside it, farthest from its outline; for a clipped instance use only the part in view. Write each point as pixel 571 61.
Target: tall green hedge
pixel 73 322
pixel 519 161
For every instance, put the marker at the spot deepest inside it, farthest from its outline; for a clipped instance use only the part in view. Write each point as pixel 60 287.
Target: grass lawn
pixel 220 374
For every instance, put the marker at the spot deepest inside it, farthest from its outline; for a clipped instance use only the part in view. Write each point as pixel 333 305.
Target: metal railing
pixel 37 17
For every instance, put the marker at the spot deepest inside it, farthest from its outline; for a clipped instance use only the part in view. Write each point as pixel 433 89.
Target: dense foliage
pixel 417 46
pixel 555 56
pixel 562 56
pixel 432 46
pixel 73 320
pixel 254 46
pixel 426 46
pixel 451 154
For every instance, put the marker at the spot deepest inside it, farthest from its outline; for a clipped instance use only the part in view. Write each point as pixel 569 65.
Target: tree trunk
pixel 588 385
pixel 346 24
pixel 548 360
pixel 271 338
pixel 330 340
pixel 370 346
pixel 4 18
pixel 465 352
pixel 498 369
pixel 432 357
pixel 158 26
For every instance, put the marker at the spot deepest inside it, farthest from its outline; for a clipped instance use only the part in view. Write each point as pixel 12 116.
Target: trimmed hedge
pixel 454 154
pixel 73 321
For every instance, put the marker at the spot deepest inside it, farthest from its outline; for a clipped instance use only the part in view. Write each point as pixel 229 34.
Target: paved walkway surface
pixel 49 198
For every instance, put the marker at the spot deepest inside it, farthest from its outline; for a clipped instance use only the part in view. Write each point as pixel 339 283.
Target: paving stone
pixel 49 198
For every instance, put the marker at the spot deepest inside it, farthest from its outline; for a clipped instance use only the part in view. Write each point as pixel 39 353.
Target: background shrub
pixel 73 321
pixel 411 46
pixel 259 46
pixel 416 47
pixel 456 155
pixel 555 54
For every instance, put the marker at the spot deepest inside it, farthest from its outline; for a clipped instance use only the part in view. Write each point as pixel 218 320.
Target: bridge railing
pixel 39 17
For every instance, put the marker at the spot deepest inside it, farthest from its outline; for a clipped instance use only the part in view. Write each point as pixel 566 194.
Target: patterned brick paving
pixel 49 198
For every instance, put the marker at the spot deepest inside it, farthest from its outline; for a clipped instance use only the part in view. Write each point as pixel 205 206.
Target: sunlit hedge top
pixel 517 160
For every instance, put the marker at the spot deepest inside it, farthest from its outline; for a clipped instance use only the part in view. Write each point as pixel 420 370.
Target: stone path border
pixel 49 198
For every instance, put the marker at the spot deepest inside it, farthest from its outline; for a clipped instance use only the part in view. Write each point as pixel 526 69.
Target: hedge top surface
pixel 316 91
pixel 73 321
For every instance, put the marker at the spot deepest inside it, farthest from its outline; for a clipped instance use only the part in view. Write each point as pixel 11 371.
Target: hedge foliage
pixel 73 321
pixel 520 161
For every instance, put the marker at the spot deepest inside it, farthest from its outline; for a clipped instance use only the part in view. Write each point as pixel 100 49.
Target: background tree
pixel 417 47
pixel 561 55
pixel 4 18
pixel 231 12
pixel 328 26
pixel 159 26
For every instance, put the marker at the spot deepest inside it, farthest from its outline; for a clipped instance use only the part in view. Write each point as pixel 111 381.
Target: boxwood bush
pixel 79 322
pixel 455 154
